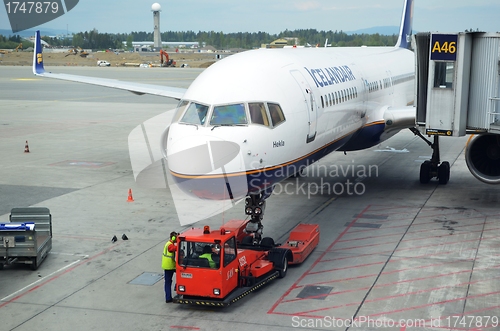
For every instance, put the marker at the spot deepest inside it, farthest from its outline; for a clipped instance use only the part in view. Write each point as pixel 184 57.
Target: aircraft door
pixel 308 102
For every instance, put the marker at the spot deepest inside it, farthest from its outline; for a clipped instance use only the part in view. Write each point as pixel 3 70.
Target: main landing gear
pixel 432 168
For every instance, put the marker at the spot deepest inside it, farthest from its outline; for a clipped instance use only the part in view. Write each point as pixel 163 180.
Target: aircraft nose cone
pixel 203 158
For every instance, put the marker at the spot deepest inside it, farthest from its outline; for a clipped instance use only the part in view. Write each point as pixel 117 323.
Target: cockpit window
pixel 181 107
pixel 229 115
pixel 258 113
pixel 195 114
pixel 277 115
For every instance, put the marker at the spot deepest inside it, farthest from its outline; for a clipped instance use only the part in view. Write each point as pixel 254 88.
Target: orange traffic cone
pixel 26 147
pixel 130 198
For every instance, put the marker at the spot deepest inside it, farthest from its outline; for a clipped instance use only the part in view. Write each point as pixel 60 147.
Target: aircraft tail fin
pixel 404 40
pixel 37 55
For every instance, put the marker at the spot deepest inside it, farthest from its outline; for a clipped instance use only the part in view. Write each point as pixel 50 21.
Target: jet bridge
pixel 458 93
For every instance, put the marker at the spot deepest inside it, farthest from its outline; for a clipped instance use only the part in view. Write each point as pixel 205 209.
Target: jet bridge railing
pixel 493 124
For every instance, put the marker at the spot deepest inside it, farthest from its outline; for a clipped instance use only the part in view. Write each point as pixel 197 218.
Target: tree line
pixel 13 41
pixel 220 40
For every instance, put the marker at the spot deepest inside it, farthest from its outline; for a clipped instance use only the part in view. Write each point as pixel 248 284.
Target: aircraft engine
pixel 482 155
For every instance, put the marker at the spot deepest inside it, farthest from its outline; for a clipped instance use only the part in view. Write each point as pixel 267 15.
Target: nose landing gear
pixel 255 205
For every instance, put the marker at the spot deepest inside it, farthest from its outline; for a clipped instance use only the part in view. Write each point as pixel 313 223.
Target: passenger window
pixel 229 115
pixel 181 107
pixel 258 113
pixel 195 114
pixel 277 115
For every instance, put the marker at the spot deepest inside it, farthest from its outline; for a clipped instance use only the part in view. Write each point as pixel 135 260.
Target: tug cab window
pixel 276 113
pixel 195 114
pixel 229 115
pixel 199 254
pixel 258 114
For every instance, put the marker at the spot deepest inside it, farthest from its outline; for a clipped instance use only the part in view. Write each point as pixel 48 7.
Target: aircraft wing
pixel 137 88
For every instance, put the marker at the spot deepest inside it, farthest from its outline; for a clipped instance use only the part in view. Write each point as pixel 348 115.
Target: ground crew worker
pixel 168 264
pixel 207 254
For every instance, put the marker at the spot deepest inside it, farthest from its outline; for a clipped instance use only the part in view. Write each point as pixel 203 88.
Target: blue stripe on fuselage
pixel 213 187
pixel 367 137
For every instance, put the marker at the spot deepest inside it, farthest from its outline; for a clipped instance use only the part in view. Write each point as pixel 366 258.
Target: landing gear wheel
pixel 284 268
pixel 425 172
pixel 444 173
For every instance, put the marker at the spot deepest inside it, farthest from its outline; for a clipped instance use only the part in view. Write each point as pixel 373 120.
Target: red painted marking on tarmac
pixel 56 276
pixel 306 313
pixel 316 262
pixel 382 262
pixel 184 327
pixel 394 283
pixel 403 281
pixel 412 248
pixel 437 303
pixel 350 257
pixel 341 237
pixel 412 232
pixel 403 328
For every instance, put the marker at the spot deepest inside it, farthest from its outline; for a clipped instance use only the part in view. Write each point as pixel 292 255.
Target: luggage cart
pixel 27 239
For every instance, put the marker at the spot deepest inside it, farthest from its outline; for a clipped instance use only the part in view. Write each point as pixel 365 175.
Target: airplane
pixel 256 118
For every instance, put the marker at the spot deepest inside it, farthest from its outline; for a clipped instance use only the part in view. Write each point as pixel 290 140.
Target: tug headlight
pixel 216 291
pixel 181 288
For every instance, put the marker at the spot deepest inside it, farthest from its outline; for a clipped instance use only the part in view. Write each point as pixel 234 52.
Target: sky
pixel 272 16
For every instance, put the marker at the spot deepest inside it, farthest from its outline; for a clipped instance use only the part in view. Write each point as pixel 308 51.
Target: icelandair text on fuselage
pixel 331 75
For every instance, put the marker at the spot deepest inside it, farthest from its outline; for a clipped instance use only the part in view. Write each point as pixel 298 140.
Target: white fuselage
pixel 327 95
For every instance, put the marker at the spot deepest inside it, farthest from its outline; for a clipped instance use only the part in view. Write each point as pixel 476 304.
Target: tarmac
pixel 393 255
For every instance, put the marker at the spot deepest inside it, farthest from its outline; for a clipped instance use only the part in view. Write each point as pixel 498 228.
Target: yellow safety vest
pixel 168 259
pixel 208 256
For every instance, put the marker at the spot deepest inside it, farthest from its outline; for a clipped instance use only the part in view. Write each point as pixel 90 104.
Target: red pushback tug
pixel 219 267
